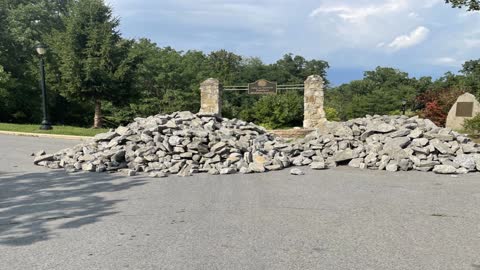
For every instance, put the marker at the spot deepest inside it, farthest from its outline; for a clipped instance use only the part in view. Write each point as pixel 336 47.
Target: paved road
pixel 335 219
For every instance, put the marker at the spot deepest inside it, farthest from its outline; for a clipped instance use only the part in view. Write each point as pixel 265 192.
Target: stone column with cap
pixel 211 97
pixel 314 115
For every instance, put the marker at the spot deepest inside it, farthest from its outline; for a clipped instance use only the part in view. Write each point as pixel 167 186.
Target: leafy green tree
pixel 166 80
pixel 470 4
pixel 95 62
pixel 471 67
pixel 423 84
pixel 238 104
pixel 224 66
pixel 23 24
pixel 471 71
pixel 295 69
pixel 194 70
pixel 278 111
pixel 5 80
pixel 291 69
pixel 381 91
pixel 160 69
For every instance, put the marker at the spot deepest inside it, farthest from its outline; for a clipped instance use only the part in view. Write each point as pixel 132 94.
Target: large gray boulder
pixel 296 171
pixel 466 161
pixel 345 155
pixel 41 158
pixel 444 169
pixel 105 136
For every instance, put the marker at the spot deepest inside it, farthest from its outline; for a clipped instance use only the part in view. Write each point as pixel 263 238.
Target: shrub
pixel 436 104
pixel 278 111
pixel 435 112
pixel 473 125
pixel 331 114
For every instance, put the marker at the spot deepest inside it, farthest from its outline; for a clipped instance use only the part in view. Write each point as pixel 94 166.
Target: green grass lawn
pixel 61 130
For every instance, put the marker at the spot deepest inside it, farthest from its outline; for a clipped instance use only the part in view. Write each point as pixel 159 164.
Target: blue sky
pixel 421 37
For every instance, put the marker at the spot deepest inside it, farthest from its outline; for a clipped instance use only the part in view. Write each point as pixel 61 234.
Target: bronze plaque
pixel 262 87
pixel 464 109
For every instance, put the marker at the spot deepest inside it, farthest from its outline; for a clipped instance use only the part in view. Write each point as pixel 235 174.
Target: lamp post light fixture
pixel 42 50
pixel 404 106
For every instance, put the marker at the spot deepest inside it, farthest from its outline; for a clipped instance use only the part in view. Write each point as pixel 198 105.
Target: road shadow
pixel 28 201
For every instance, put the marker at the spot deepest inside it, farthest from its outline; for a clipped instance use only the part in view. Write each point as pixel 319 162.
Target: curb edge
pixel 41 135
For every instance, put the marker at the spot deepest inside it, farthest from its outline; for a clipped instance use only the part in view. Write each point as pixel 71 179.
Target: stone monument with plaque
pixel 466 107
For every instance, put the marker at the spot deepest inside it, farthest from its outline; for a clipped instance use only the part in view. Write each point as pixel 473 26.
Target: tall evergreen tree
pixel 95 63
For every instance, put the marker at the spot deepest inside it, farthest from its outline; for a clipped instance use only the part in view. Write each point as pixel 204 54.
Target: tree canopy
pixel 93 70
pixel 94 61
pixel 471 5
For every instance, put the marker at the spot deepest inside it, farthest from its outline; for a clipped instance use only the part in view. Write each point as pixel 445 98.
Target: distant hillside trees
pixel 93 71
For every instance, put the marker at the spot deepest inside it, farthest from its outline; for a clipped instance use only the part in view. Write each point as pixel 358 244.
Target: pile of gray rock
pixel 184 143
pixel 390 143
pixel 181 143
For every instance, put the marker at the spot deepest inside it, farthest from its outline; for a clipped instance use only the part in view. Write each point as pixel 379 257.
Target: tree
pixel 471 67
pixel 160 69
pixel 437 103
pixel 95 62
pixel 5 82
pixel 470 4
pixel 381 91
pixel 224 66
pixel 277 111
pixel 295 69
pixel 471 71
pixel 23 24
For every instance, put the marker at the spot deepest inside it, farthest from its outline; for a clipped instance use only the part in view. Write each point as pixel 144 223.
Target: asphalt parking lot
pixel 336 219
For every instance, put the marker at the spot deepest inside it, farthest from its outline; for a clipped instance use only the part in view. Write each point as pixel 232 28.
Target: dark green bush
pixel 473 125
pixel 278 111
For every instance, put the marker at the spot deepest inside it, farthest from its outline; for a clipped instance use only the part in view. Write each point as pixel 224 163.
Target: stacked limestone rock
pixel 391 143
pixel 181 143
pixel 184 143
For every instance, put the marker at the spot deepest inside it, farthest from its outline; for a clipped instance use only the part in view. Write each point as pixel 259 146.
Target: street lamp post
pixel 41 50
pixel 404 106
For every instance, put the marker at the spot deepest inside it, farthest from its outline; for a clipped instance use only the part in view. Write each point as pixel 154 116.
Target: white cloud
pixel 259 16
pixel 413 15
pixel 448 61
pixel 366 24
pixel 381 44
pixel 347 33
pixel 472 43
pixel 415 37
pixel 354 14
pixel 431 3
pixel 445 60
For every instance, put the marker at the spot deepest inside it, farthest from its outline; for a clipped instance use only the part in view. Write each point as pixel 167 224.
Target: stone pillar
pixel 314 115
pixel 211 97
